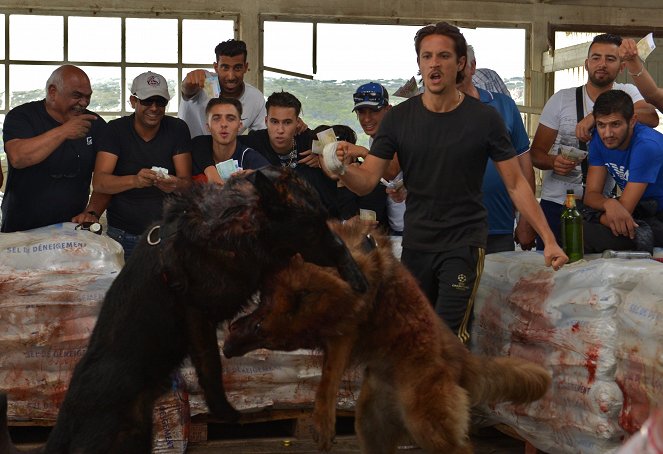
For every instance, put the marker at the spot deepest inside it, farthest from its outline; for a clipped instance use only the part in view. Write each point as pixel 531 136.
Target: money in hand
pixel 367 215
pixel 645 46
pixel 227 168
pixel 572 153
pixel 326 137
pixel 161 172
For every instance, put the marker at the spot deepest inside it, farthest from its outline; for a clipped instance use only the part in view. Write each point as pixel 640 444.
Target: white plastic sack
pixel 52 280
pixel 566 321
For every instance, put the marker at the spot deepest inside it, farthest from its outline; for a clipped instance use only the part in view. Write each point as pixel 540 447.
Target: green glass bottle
pixel 571 225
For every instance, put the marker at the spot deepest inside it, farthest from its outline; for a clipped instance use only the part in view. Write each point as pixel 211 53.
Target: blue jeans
pixel 127 240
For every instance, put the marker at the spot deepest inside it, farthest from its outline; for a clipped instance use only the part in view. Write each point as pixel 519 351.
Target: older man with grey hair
pixel 51 146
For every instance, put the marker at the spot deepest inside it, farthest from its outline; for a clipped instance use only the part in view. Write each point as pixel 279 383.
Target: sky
pixel 351 51
pixel 345 51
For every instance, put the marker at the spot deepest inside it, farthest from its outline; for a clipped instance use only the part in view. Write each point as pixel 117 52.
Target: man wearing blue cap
pixel 371 105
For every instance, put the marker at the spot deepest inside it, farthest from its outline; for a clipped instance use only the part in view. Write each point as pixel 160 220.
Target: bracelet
pixel 93 213
pixel 642 69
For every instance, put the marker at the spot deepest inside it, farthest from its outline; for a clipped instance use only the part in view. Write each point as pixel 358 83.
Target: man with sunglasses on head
pixel 142 157
pixel 51 147
pixel 443 140
pixel 230 67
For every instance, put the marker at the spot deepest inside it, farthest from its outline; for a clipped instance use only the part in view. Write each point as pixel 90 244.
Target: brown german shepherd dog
pixel 419 379
pixel 208 255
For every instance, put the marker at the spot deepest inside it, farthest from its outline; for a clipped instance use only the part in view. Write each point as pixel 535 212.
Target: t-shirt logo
pixel 88 140
pixel 617 171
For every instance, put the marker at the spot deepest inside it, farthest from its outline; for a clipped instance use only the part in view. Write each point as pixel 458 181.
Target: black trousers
pixel 450 280
pixel 597 237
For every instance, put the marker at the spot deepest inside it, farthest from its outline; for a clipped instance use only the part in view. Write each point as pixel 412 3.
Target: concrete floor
pixel 489 442
pixel 288 431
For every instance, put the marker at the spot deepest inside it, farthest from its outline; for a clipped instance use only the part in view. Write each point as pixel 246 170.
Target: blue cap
pixel 371 95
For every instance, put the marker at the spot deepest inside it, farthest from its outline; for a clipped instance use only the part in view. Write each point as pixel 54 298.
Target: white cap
pixel 150 84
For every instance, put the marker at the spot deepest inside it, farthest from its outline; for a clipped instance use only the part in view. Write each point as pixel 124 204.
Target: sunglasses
pixel 158 100
pixel 370 96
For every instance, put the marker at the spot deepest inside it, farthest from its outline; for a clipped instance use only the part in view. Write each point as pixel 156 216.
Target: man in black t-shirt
pixel 443 140
pixel 133 155
pixel 282 146
pixel 51 147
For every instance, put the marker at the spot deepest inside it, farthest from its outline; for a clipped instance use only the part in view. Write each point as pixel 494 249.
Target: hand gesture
pixel 167 184
pixel 309 158
pixel 554 255
pixel 584 128
pixel 563 166
pixel 619 219
pixel 398 195
pixel 145 178
pixel 78 126
pixel 525 235
pixel 628 51
pixel 194 81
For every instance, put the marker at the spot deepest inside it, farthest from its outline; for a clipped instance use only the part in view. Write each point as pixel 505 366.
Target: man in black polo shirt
pixel 51 147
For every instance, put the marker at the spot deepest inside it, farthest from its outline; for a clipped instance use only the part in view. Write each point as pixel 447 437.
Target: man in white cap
pixel 142 157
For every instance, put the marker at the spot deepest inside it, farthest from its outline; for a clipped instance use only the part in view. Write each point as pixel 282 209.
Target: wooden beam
pixel 565 58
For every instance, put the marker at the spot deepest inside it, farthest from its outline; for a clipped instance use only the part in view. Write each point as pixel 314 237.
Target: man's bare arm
pixel 523 198
pixel 628 51
pixel 23 153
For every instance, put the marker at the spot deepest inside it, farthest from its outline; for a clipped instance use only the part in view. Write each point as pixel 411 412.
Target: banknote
pixel 227 168
pixel 645 46
pixel 572 153
pixel 367 215
pixel 161 172
pixel 326 137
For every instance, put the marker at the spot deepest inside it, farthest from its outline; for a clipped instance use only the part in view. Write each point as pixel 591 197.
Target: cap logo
pixel 153 81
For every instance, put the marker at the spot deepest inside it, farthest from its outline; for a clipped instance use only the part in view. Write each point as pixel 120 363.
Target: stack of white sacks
pixel 52 282
pixel 596 325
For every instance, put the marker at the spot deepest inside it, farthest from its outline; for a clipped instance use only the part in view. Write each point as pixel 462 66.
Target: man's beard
pixel 601 83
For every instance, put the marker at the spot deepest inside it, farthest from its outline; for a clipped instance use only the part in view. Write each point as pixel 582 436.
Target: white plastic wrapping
pixel 571 322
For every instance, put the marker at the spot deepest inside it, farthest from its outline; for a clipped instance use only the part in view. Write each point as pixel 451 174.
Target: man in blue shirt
pixel 632 154
pixel 496 199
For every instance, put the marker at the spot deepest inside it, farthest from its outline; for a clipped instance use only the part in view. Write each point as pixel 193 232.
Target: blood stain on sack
pixel 590 363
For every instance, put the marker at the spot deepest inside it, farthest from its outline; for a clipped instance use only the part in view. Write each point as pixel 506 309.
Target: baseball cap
pixel 150 84
pixel 371 95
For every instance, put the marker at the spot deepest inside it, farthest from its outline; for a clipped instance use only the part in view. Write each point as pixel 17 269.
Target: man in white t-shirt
pixel 200 85
pixel 559 125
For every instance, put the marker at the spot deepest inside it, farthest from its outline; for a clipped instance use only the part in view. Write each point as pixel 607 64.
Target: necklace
pixel 290 159
pixel 460 98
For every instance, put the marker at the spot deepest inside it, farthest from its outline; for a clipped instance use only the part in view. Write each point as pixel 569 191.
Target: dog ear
pixel 297 260
pixel 269 195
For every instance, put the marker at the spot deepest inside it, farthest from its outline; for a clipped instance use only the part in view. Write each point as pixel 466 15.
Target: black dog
pixel 198 267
